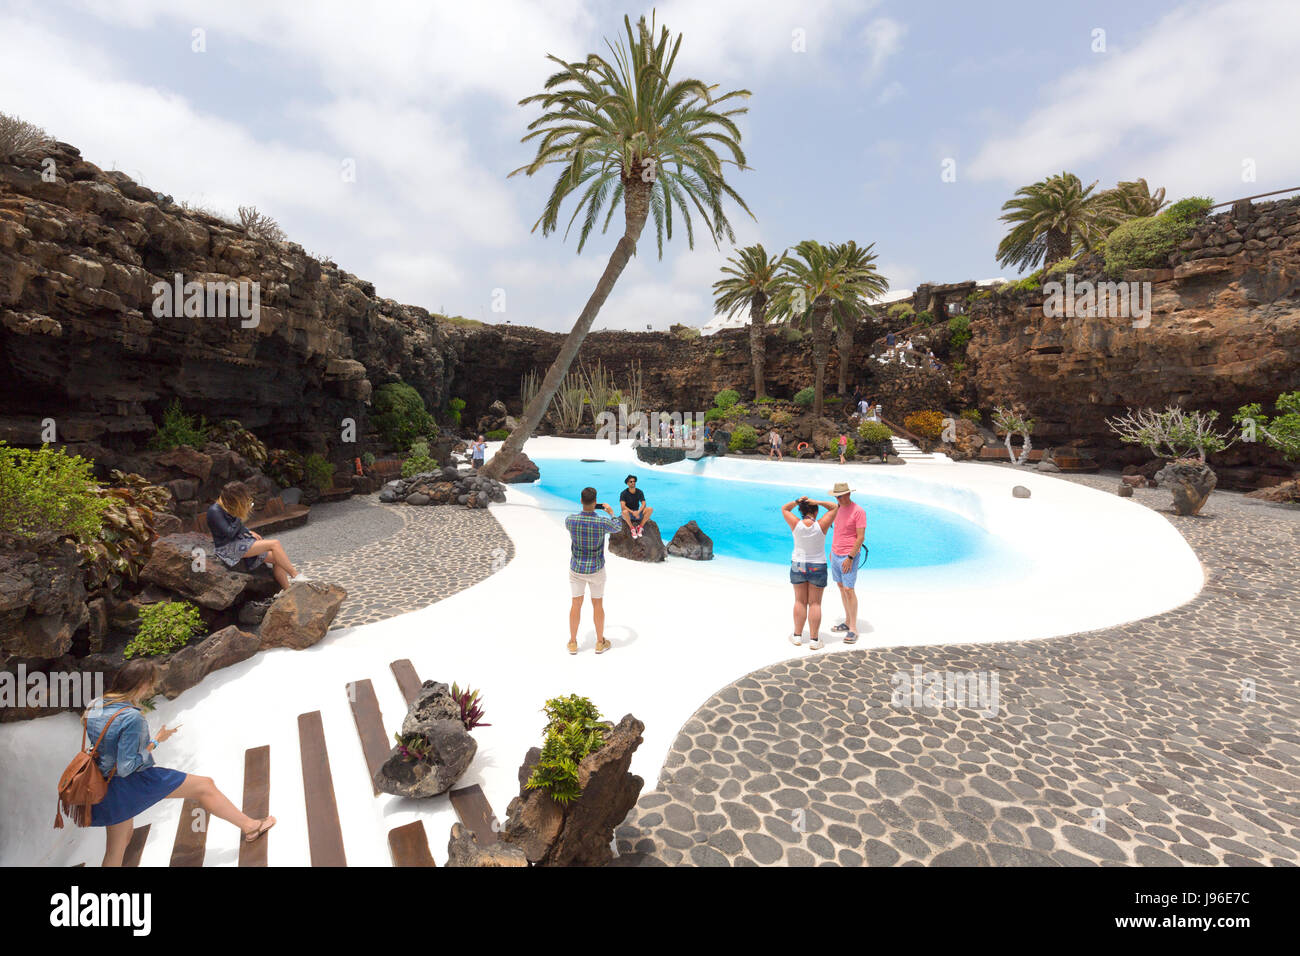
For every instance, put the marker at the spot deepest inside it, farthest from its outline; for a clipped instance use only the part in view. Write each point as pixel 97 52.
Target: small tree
pixel 1282 432
pixel 1173 433
pixel 1014 423
pixel 21 137
pixel 259 225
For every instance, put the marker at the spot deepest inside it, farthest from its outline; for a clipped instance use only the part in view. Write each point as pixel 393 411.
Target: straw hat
pixel 842 488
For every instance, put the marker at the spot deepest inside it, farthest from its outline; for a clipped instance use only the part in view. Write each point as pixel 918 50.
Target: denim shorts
pixel 814 574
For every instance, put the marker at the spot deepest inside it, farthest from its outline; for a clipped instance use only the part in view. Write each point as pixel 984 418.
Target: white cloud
pixel 1199 93
pixel 883 38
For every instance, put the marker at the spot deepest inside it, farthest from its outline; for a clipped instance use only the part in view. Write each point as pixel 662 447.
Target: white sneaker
pixel 796 640
pixel 816 645
pixel 300 579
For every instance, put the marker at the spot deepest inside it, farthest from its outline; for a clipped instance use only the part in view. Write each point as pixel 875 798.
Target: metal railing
pixel 1276 192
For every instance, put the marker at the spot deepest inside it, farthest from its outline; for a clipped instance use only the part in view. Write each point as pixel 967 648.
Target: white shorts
pixel 578 584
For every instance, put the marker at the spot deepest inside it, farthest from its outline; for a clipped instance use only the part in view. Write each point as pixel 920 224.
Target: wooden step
pixel 407 680
pixel 409 846
pixel 136 847
pixel 370 727
pixel 475 813
pixel 191 835
pixel 257 802
pixel 324 833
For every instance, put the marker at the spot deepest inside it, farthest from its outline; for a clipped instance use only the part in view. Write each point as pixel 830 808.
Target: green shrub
pixel 127 531
pixel 805 397
pixel 851 449
pixel 1148 241
pixel 782 418
pixel 367 459
pixel 164 628
pixel 1030 283
pixel 743 437
pixel 765 400
pixel 924 318
pixel 285 467
pixel 958 367
pixel 734 413
pixel 496 434
pixel 873 433
pixel 927 424
pixel 454 408
pixel 958 332
pixel 793 335
pixel 972 415
pixel 714 414
pixel 1059 268
pixel 400 415
pixel 763 412
pixel 418 460
pixel 726 398
pixel 178 429
pixel 48 494
pixel 240 440
pixel 573 731
pixel 1281 432
pixel 318 472
pixel 901 310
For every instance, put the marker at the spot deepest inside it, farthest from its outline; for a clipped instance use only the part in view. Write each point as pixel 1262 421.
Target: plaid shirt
pixel 587 532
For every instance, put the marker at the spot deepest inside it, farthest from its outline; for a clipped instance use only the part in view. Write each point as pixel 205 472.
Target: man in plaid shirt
pixel 587 532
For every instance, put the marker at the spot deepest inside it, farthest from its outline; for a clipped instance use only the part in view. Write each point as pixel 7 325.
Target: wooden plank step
pixel 324 833
pixel 409 846
pixel 136 847
pixel 191 835
pixel 475 813
pixel 257 802
pixel 407 680
pixel 370 727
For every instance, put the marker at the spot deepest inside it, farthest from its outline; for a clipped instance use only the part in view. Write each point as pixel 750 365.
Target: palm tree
pixel 1052 218
pixel 751 280
pixel 1130 201
pixel 866 284
pixel 629 134
pixel 812 282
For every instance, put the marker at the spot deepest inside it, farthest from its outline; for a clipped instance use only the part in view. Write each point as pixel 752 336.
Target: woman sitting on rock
pixel 125 758
pixel 236 546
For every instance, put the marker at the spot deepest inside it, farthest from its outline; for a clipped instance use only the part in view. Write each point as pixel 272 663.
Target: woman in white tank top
pixel 808 564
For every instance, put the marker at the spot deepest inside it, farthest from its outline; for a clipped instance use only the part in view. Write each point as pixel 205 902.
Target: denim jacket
pixel 124 744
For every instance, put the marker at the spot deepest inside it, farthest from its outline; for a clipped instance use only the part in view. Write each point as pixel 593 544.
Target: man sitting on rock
pixel 635 511
pixel 587 532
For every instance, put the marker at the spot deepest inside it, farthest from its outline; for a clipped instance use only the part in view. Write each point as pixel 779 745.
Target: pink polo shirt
pixel 848 521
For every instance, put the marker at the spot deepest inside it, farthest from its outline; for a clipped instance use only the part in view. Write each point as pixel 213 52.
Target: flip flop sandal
pixel 851 638
pixel 840 627
pixel 261 830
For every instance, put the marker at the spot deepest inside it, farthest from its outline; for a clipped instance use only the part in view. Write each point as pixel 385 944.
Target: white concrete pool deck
pixel 681 630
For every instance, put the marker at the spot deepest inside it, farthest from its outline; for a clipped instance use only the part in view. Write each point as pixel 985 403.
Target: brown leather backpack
pixel 82 785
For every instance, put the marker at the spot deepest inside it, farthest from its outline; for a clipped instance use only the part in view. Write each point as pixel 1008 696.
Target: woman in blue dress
pixel 236 546
pixel 135 784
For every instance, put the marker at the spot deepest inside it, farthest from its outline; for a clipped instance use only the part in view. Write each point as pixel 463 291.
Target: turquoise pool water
pixel 744 518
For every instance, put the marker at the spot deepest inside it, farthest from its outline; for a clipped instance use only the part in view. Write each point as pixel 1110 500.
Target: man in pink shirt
pixel 847 555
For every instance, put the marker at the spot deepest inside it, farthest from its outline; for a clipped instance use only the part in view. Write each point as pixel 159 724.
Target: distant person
pixel 890 341
pixel 635 511
pixel 236 546
pixel 477 451
pixel 774 444
pixel 587 532
pixel 863 407
pixel 847 555
pixel 808 564
pixel 125 757
pixel 844 446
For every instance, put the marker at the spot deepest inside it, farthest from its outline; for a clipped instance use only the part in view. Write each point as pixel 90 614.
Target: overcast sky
pixel 847 138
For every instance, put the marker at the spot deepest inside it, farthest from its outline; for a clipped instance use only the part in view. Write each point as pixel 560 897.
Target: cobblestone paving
pixel 437 551
pixel 1134 745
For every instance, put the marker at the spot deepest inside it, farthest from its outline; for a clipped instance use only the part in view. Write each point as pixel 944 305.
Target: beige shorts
pixel 578 584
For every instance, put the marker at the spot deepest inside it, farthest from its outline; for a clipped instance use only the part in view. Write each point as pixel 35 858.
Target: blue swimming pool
pixel 744 518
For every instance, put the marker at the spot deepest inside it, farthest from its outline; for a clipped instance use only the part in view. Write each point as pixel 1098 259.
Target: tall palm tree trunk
pixel 1058 247
pixel 845 346
pixel 757 344
pixel 636 206
pixel 821 352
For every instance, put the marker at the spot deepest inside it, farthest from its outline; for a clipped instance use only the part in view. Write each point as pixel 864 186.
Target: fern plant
pixel 574 730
